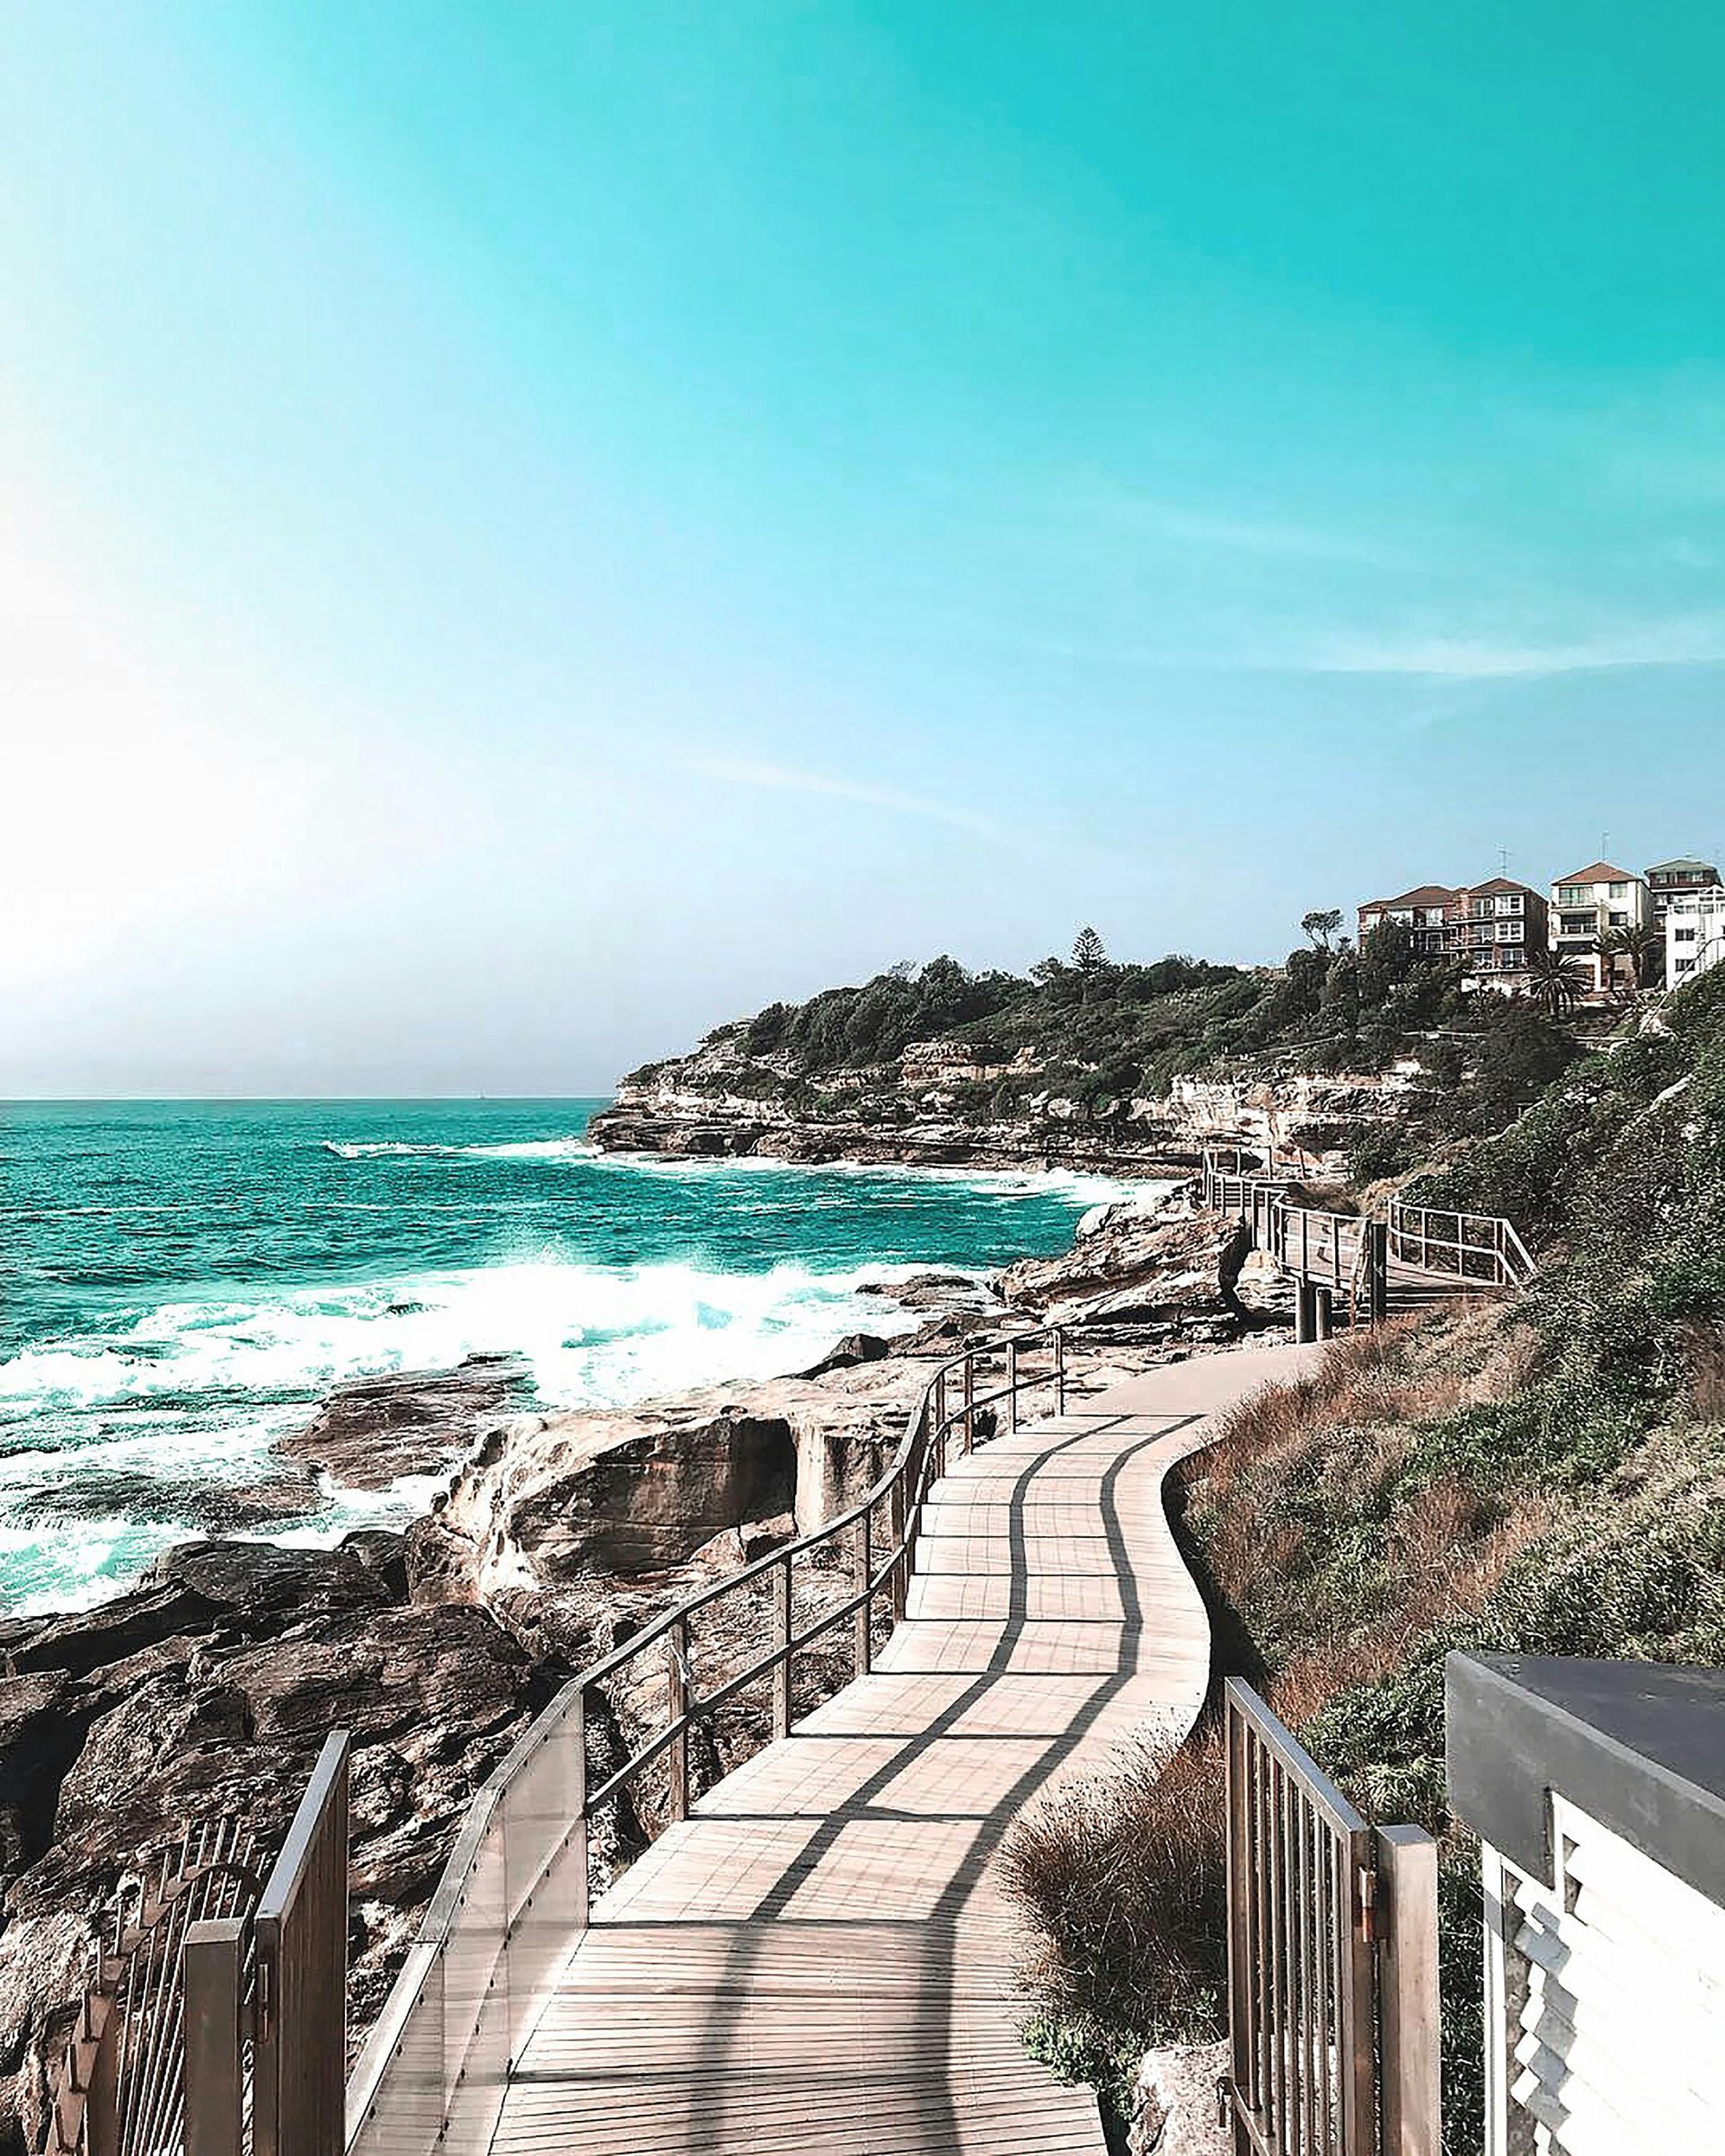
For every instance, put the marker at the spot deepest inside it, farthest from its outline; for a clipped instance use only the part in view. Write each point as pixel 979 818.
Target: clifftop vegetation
pixel 1105 1033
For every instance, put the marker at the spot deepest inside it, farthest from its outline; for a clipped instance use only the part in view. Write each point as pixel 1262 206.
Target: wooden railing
pixel 514 1896
pixel 299 2032
pixel 1332 1960
pixel 215 1970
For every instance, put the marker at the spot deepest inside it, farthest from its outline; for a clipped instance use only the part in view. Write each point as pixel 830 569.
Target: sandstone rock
pixel 371 1432
pixel 214 1507
pixel 1177 2113
pixel 853 1349
pixel 639 1491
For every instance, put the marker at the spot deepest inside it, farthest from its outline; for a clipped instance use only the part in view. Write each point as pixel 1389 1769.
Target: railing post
pixel 1012 1383
pixel 299 2049
pixel 214 2083
pixel 969 1404
pixel 901 1550
pixel 865 1566
pixel 677 1705
pixel 1059 1371
pixel 940 1421
pixel 1410 2109
pixel 1377 1271
pixel 580 1907
pixel 782 1626
pixel 1240 1973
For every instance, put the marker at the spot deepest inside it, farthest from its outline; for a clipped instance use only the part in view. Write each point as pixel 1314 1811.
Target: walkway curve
pixel 818 1962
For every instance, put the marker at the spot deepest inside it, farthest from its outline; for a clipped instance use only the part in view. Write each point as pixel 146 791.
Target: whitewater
pixel 183 1282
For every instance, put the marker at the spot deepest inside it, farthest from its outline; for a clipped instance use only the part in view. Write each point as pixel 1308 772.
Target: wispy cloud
pixel 779 778
pixel 1253 530
pixel 1692 641
pixel 1267 535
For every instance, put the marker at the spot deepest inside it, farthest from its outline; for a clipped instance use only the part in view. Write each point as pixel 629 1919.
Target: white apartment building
pixel 1676 882
pixel 1695 936
pixel 1588 905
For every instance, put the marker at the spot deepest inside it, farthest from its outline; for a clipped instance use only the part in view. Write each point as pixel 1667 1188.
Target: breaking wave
pixel 525 1149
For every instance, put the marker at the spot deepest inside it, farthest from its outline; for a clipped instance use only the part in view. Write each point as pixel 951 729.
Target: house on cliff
pixel 1496 929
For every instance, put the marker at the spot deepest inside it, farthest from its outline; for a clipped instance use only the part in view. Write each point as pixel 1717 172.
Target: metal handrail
pixel 949 1402
pixel 1288 1233
pixel 1481 1235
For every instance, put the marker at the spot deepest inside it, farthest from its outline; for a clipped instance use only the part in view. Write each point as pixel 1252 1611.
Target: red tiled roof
pixel 1601 871
pixel 1502 883
pixel 1428 894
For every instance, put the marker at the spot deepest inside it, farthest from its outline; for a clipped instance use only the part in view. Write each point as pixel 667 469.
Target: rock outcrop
pixel 1161 1271
pixel 938 1104
pixel 535 1518
pixel 371 1433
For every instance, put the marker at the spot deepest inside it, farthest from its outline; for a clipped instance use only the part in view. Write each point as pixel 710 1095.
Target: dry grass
pixel 1364 1380
pixel 1120 1878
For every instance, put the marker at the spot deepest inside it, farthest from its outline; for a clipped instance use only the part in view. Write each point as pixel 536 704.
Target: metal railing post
pixel 1012 1384
pixel 677 1704
pixel 1377 1271
pixel 901 1552
pixel 940 1422
pixel 1240 1971
pixel 215 2087
pixel 865 1612
pixel 782 1626
pixel 1059 1371
pixel 580 1907
pixel 969 1404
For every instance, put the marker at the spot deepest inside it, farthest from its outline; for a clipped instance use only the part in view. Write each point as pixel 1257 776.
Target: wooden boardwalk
pixel 818 1962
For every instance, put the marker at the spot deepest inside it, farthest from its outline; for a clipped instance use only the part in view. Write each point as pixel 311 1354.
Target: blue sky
pixel 526 531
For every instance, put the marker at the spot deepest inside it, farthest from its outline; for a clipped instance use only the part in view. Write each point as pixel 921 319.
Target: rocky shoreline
pixel 209 1687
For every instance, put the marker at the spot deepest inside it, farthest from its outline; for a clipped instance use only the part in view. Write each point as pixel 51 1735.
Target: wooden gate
pixel 1332 1960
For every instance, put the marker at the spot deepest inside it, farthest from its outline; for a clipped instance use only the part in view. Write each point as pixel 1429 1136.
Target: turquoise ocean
pixel 181 1282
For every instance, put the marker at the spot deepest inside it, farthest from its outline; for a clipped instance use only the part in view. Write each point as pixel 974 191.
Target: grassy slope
pixel 1549 1477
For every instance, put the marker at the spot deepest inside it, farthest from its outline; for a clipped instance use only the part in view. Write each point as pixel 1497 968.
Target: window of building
pixel 1685 935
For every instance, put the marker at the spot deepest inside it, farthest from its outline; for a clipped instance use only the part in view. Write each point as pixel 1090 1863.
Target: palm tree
pixel 1645 949
pixel 1608 948
pixel 1558 984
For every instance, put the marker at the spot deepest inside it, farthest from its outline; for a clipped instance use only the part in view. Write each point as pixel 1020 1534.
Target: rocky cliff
pixel 946 1103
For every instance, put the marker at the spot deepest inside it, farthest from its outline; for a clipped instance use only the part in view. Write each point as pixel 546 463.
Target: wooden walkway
pixel 818 1962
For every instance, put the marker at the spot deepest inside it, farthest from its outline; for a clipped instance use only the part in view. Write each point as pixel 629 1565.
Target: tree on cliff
pixel 1089 952
pixel 1321 925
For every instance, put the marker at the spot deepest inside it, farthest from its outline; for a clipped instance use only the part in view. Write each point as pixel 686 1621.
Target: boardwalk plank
pixel 818 1961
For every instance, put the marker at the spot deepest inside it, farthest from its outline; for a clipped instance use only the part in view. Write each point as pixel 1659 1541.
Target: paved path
pixel 818 1962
